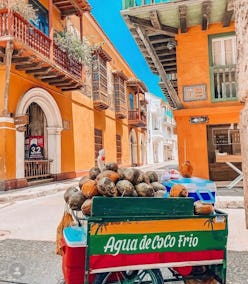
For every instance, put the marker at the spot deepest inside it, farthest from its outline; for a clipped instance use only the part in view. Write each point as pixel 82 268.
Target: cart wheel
pixel 152 275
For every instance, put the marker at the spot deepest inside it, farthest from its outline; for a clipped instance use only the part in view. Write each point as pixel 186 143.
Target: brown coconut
pixel 202 208
pixel 82 181
pixel 152 176
pixel 111 166
pixel 186 169
pixel 158 186
pixel 86 207
pixel 94 172
pixel 178 190
pixel 76 200
pixel 106 187
pixel 89 188
pixel 69 192
pixel 125 188
pixel 114 176
pixel 132 175
pixel 144 190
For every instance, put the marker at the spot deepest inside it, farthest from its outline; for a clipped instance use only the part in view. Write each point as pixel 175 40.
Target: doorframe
pixel 54 127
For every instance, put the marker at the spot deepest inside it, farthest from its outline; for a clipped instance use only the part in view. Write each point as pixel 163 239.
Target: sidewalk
pixel 225 198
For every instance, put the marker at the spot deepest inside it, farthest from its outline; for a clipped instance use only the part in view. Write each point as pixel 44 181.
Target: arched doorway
pixel 133 147
pixel 46 124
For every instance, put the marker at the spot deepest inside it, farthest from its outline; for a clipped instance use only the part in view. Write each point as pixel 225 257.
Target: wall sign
pixel 195 93
pixel 198 119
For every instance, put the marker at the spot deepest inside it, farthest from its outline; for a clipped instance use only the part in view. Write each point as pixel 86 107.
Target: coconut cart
pixel 145 240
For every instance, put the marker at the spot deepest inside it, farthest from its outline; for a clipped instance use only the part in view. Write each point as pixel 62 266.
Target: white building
pixel 161 140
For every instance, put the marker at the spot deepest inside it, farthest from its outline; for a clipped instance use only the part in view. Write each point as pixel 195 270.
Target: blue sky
pixel 107 14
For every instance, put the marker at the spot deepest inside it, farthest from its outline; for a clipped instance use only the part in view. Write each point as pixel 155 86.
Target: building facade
pixel 161 138
pixel 191 45
pixel 56 112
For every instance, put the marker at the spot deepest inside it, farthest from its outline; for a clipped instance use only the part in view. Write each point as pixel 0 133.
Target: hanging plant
pixel 21 7
pixel 77 49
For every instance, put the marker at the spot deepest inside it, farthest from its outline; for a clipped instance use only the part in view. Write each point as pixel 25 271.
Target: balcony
pixel 35 53
pixel 139 3
pixel 136 118
pixel 224 83
pixel 101 100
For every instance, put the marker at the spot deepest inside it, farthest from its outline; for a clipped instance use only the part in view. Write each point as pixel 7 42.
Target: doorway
pixel 41 143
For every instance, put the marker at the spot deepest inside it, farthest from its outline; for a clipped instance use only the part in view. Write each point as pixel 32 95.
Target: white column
pixel 20 154
pixel 54 149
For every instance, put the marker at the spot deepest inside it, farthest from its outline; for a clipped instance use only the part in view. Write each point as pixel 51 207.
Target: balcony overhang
pixel 155 26
pixel 72 7
pixel 137 85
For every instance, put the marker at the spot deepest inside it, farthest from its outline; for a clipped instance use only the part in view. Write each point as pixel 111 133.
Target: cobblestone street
pixel 35 262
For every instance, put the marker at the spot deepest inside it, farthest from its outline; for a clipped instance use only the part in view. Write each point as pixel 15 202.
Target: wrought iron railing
pixel 138 3
pixel 224 83
pixel 37 168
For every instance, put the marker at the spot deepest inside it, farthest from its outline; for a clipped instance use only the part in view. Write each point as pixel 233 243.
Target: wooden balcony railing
pixel 136 118
pixel 224 83
pixel 61 58
pixel 37 168
pixel 14 25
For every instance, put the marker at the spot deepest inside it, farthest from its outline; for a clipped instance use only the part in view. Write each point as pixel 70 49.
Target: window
pixel 131 101
pixel 98 142
pixel 224 50
pixel 42 14
pixel 223 68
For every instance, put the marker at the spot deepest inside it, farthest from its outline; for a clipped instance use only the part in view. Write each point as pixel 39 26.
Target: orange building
pixel 191 45
pixel 55 112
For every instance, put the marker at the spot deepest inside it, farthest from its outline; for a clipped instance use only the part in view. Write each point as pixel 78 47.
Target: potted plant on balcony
pixel 21 7
pixel 77 49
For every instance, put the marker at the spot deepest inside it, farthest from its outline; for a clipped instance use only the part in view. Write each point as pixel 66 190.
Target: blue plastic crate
pixel 198 188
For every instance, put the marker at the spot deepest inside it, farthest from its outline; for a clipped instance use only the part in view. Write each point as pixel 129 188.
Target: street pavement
pixel 27 246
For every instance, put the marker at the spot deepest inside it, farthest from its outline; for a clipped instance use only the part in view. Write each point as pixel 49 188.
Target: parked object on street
pixel 186 169
pixel 131 239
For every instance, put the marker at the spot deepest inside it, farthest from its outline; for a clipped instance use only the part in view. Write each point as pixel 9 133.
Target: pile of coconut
pixel 111 182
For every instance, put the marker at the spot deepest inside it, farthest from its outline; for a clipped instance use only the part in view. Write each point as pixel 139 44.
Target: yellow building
pixel 55 112
pixel 191 45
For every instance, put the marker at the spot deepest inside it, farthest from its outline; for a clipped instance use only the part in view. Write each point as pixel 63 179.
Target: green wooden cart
pixel 135 240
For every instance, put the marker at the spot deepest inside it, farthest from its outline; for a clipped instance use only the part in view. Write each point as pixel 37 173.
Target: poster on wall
pixel 36 147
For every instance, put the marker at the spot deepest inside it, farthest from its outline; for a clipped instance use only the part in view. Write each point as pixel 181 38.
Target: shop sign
pixel 36 147
pixel 21 120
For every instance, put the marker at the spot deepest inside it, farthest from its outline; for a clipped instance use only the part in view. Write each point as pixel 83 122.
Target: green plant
pixel 23 8
pixel 79 50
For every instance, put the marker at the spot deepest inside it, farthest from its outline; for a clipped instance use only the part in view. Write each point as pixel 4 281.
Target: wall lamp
pixel 171 44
